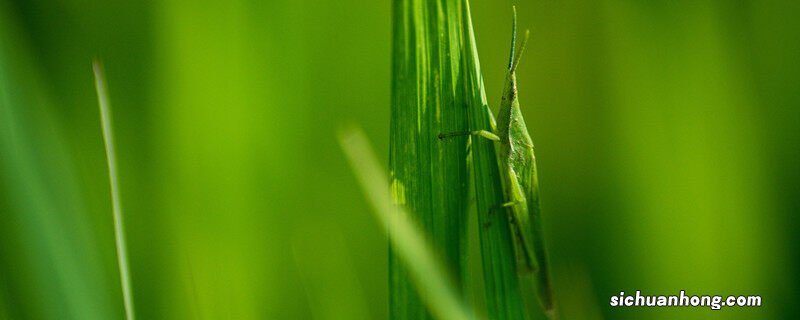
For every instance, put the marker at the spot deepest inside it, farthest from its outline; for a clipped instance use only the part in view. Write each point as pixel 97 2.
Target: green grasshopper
pixel 520 182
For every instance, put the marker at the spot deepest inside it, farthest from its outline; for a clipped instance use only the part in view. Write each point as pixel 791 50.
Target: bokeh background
pixel 667 133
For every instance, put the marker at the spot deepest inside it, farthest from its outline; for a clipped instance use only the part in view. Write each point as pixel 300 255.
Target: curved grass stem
pixel 119 225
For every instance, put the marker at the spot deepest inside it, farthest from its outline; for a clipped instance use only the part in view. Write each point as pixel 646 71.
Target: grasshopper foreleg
pixel 506 205
pixel 481 133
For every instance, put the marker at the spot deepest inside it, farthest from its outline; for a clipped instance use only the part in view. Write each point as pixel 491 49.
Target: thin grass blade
pixel 406 237
pixel 119 225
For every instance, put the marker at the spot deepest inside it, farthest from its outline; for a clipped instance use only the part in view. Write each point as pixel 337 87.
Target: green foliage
pixel 50 267
pixel 428 97
pixel 667 137
pixel 438 88
pixel 409 243
pixel 502 289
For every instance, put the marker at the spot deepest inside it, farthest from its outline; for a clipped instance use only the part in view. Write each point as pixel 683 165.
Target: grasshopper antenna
pixel 515 62
pixel 513 38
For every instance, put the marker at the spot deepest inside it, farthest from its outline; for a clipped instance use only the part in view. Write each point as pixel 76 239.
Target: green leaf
pixel 502 287
pixel 429 177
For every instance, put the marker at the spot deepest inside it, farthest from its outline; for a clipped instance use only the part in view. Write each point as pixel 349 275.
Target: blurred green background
pixel 667 132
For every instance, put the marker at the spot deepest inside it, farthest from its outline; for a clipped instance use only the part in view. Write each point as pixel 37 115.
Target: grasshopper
pixel 520 182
